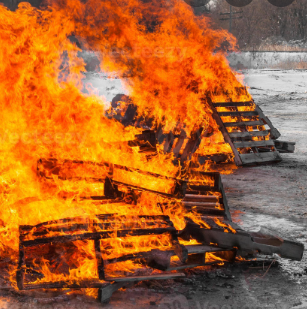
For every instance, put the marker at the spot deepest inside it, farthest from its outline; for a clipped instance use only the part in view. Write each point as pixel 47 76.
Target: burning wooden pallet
pixel 102 227
pixel 251 135
pixel 246 133
pixel 111 176
pixel 219 239
pixel 207 199
pixel 96 229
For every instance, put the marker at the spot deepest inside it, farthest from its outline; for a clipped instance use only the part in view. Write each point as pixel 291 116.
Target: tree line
pixel 263 24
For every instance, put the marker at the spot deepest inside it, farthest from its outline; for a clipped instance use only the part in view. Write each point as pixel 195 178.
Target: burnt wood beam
pixel 100 235
pixel 66 285
pixel 265 244
pixel 149 277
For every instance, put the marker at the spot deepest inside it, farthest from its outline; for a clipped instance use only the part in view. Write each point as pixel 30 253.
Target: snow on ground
pixel 263 60
pixel 287 83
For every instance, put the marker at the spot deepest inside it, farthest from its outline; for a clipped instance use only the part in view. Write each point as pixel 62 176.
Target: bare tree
pixel 261 20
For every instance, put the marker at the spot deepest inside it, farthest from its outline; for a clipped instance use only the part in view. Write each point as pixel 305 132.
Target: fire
pixel 176 63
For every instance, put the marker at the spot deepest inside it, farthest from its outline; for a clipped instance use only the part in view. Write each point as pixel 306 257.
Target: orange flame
pixel 175 61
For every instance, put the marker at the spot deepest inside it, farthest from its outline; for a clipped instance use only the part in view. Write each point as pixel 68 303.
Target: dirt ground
pixel 272 196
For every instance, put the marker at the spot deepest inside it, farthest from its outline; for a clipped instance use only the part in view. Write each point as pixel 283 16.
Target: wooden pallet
pixel 94 229
pixel 250 133
pixel 207 200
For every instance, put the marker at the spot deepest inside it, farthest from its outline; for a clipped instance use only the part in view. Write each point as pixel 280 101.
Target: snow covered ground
pixel 263 60
pixel 290 84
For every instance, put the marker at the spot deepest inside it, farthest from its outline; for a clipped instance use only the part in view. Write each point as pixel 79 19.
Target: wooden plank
pixel 195 197
pixel 144 278
pixel 285 147
pixel 64 284
pixel 244 123
pixel 224 199
pixel 207 211
pixel 233 104
pixel 238 114
pixel 250 158
pixel 203 204
pixel 248 134
pixel 225 133
pixel 92 236
pixel 248 144
pixel 192 145
pixel 275 134
pixel 203 249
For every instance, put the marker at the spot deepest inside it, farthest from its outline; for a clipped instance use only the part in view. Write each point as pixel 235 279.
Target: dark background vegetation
pixel 264 26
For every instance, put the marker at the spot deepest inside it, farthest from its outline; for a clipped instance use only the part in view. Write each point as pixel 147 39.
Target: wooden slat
pixel 275 134
pixel 244 123
pixel 238 114
pixel 233 104
pixel 203 204
pixel 193 249
pixel 200 198
pixel 253 144
pixel 285 147
pixel 224 131
pixel 63 284
pixel 250 158
pixel 150 277
pixel 248 134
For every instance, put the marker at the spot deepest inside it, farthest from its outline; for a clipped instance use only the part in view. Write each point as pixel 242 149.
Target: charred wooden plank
pixel 66 285
pixel 233 104
pixel 217 117
pixel 92 236
pixel 244 123
pixel 245 241
pixel 285 147
pixel 238 114
pixel 274 133
pixel 248 134
pixel 99 260
pixel 217 158
pixel 147 136
pixel 252 158
pixel 192 145
pixel 195 197
pixel 103 222
pixel 203 204
pixel 249 144
pixel 150 277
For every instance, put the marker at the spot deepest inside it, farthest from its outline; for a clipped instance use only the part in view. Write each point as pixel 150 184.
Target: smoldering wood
pixel 246 241
pixel 150 277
